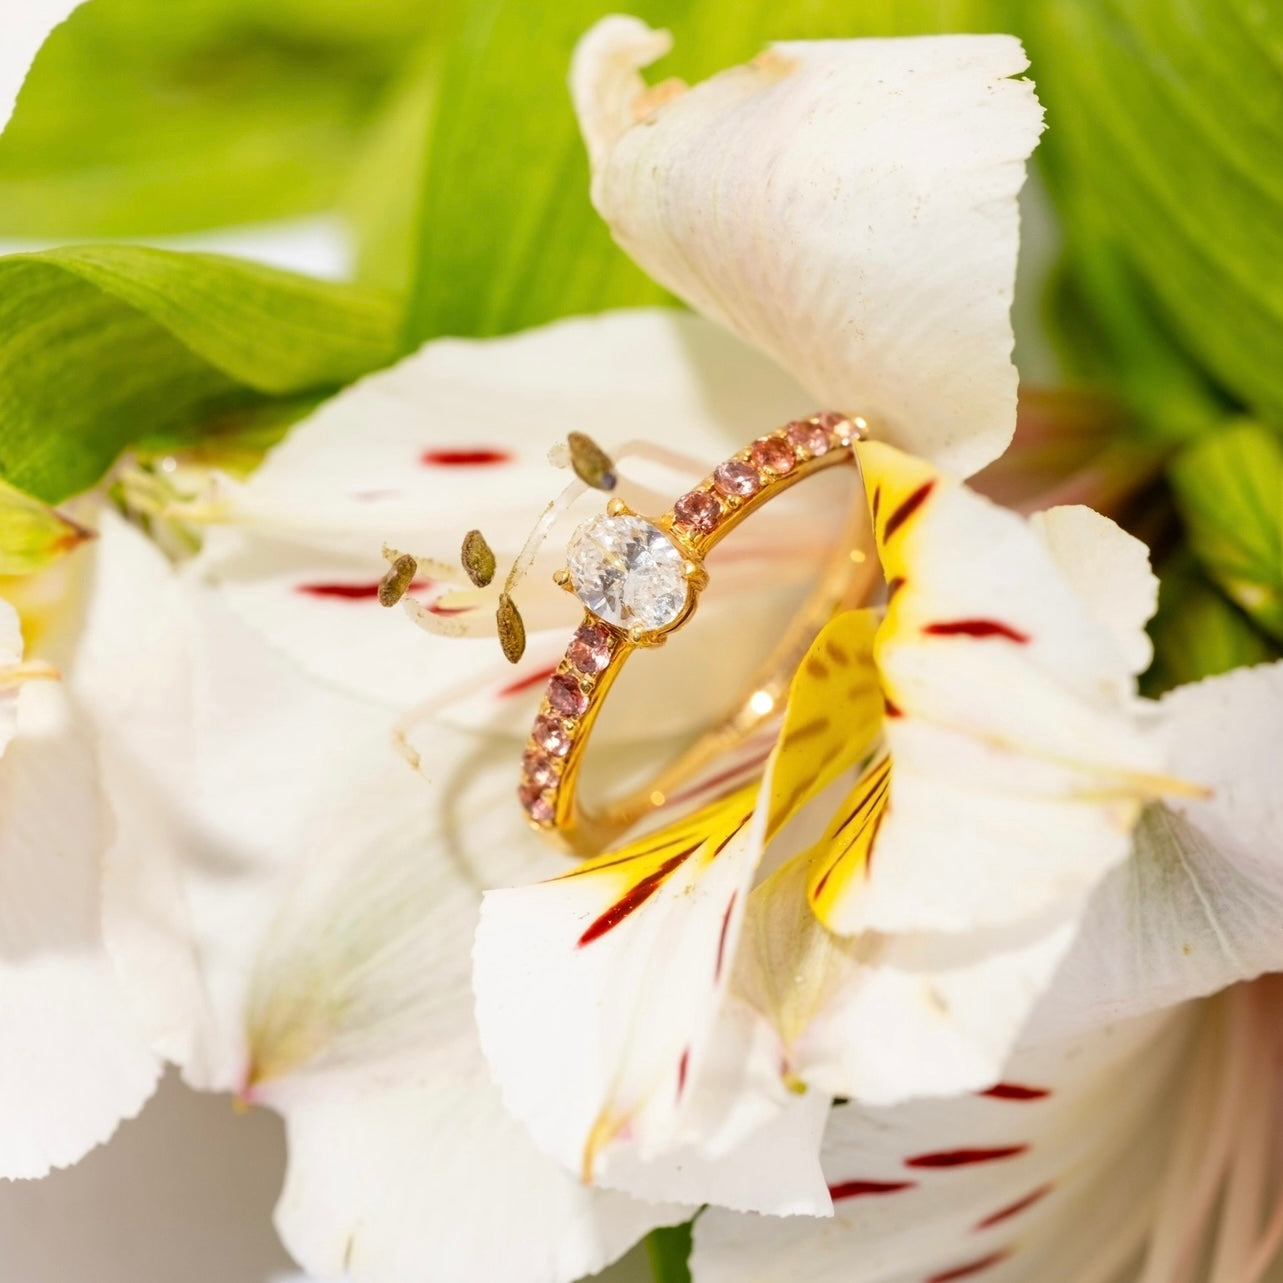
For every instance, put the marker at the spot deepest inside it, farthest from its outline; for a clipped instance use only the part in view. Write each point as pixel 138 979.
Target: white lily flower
pixel 991 714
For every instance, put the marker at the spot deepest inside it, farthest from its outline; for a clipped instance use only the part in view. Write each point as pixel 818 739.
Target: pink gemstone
pixel 808 437
pixel 589 649
pixel 735 477
pixel 565 696
pixel 832 421
pixel 698 509
pixel 551 735
pixel 774 454
pixel 539 768
pixel 538 807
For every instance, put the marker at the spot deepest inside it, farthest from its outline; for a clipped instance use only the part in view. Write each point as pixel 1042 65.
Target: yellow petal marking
pixel 845 850
pixel 833 718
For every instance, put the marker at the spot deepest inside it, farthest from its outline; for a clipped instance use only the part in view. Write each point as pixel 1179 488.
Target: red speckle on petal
pixel 523 684
pixel 1016 1091
pixel 863 1189
pixel 891 709
pixel 461 458
pixel 1014 1208
pixel 965 1157
pixel 368 591
pixel 907 508
pixel 979 628
pixel 634 897
pixel 721 939
pixel 970 1270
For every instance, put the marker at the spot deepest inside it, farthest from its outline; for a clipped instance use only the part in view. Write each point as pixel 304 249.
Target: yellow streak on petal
pixel 32 670
pixel 604 1130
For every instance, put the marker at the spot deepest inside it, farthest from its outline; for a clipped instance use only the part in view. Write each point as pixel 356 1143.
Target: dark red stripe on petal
pixel 523 684
pixel 682 1066
pixel 890 709
pixel 965 1157
pixel 1014 1209
pixel 731 774
pixel 863 1189
pixel 1016 1091
pixel 366 591
pixel 876 505
pixel 971 1269
pixel 721 939
pixel 907 508
pixel 980 628
pixel 893 586
pixel 476 458
pixel 635 897
pixel 734 833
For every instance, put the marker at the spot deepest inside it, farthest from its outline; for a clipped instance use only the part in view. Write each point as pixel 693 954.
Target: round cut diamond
pixel 627 572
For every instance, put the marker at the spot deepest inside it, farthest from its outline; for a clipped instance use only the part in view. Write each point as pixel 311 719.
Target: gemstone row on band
pixel 697 514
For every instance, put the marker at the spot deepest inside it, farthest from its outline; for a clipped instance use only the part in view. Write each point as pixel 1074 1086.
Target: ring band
pixel 641 580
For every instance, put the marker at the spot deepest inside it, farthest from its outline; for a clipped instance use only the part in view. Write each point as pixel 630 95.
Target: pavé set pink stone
pixel 640 580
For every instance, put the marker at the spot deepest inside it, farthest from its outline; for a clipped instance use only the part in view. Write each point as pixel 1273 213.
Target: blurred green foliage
pixel 143 117
pixel 1198 632
pixel 1230 491
pixel 102 346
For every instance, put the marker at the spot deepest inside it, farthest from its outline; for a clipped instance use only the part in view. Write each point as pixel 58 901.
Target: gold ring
pixel 640 580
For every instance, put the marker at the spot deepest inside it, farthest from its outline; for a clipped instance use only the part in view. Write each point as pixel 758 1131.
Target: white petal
pixel 947 1009
pixel 1046 1177
pixel 77 1063
pixel 1199 904
pixel 10 657
pixel 26 27
pixel 216 753
pixel 362 1035
pixel 1109 570
pixel 848 207
pixel 303 557
pixel 388 1182
pixel 1019 763
pixel 596 996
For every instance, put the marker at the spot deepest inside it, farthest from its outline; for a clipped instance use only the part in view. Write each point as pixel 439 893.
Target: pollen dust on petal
pixel 653 97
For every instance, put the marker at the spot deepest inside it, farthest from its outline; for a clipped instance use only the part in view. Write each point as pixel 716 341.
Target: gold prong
pixel 562 579
pixel 695 574
pixel 618 508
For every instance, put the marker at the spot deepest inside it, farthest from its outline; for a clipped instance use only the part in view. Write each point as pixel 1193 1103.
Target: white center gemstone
pixel 627 572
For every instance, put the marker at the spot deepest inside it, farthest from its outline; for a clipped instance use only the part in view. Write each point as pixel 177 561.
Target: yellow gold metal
pixel 558 809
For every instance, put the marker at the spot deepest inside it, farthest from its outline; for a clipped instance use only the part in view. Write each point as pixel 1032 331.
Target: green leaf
pixel 1230 491
pixel 1166 124
pixel 101 346
pixel 507 236
pixel 669 1252
pixel 1197 632
pixel 143 117
pixel 32 534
